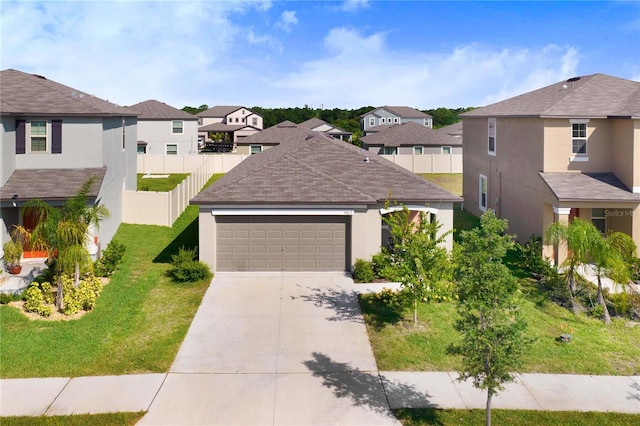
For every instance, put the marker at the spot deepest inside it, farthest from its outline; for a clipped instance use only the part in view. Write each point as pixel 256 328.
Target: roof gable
pixel 591 96
pixel 155 110
pixel 24 93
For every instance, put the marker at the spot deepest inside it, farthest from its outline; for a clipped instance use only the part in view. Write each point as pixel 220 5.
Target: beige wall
pixel 216 163
pixel 626 152
pixel 207 238
pixel 366 234
pixel 428 163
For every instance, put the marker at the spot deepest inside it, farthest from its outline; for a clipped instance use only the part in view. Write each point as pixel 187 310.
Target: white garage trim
pixel 409 207
pixel 281 212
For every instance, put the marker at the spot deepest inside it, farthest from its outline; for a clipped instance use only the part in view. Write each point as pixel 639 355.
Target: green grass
pixel 115 419
pixel 452 182
pixel 137 326
pixel 595 349
pixel 431 416
pixel 160 184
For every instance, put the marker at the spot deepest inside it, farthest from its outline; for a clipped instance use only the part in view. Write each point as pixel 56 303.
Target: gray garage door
pixel 281 243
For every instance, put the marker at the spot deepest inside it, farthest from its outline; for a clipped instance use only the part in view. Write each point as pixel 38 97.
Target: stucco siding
pixel 625 136
pixel 8 148
pixel 158 133
pixel 366 234
pixel 207 238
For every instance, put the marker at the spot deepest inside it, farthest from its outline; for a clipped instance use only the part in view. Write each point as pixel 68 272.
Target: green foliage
pixel 490 323
pixel 185 267
pixel 419 256
pixel 194 110
pixel 363 271
pixel 531 257
pixel 393 298
pixel 12 252
pixel 35 301
pixel 82 297
pixel 384 266
pixel 111 257
pixel 6 298
pixel 445 116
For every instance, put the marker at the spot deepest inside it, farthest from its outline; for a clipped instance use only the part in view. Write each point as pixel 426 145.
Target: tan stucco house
pixel 312 203
pixel 571 149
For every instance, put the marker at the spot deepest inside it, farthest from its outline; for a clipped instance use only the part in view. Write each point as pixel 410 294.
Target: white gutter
pixel 282 212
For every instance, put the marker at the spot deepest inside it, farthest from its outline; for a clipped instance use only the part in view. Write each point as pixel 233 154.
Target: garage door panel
pixel 274 243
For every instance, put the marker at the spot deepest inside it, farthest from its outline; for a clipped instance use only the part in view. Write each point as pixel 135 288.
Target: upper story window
pixel 177 127
pixel 492 136
pixel 395 120
pixel 383 120
pixel 254 121
pixel 579 138
pixel 372 121
pixel 38 136
pixel 426 122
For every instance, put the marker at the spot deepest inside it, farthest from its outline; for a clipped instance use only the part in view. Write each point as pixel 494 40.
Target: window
pixel 254 121
pixel 417 150
pixel 124 139
pixel 255 149
pixel 446 150
pixel 598 219
pixel 482 198
pixel 383 120
pixel 492 136
pixel 237 119
pixel 395 120
pixel 142 149
pixel 176 127
pixel 38 136
pixel 390 150
pixel 172 149
pixel 372 121
pixel 426 122
pixel 579 138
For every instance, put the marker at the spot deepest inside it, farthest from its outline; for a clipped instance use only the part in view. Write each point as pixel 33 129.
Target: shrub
pixel 531 257
pixel 34 301
pixel 5 298
pixel 185 267
pixel 111 258
pixel 82 297
pixel 363 271
pixel 393 298
pixel 384 267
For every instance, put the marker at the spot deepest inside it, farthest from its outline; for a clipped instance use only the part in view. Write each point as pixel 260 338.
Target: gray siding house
pixel 165 130
pixel 411 138
pixel 390 115
pixel 54 138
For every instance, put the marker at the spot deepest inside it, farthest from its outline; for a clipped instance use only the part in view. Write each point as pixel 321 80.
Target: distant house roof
pixel 410 133
pixel 24 93
pixel 314 123
pixel 50 184
pixel 573 186
pixel 286 131
pixel 454 129
pixel 319 171
pixel 155 110
pixel 221 111
pixel 379 128
pixel 401 111
pixel 591 96
pixel 221 127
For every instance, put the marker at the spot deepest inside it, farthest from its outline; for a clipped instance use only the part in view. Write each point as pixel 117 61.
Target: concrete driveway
pixel 275 348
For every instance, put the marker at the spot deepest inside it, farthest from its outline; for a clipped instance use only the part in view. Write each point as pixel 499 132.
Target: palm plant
pixel 64 232
pixel 579 237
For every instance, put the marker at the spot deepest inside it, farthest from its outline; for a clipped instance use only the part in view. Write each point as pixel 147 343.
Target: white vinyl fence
pixel 428 163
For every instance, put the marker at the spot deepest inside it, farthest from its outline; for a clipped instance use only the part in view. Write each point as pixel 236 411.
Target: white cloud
pixel 287 20
pixel 354 5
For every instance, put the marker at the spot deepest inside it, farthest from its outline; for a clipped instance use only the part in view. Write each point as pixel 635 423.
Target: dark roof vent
pixel 310 136
pixel 572 79
pixel 39 76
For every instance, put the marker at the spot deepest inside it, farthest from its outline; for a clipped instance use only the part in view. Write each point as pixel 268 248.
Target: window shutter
pixel 56 136
pixel 20 137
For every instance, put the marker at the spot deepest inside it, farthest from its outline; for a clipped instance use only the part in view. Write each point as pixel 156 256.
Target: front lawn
pixel 107 419
pixel 452 182
pixel 160 184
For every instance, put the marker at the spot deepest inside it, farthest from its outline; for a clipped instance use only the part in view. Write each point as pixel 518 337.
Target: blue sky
pixel 330 54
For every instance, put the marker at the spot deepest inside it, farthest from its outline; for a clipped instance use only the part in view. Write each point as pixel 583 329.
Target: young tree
pixel 579 237
pixel 421 260
pixel 490 323
pixel 64 232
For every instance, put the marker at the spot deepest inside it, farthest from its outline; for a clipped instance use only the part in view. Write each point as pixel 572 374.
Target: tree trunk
pixel 415 307
pixel 600 299
pixel 572 290
pixel 60 295
pixel 76 276
pixel 488 410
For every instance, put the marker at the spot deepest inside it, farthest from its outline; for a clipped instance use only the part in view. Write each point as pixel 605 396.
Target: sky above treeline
pixel 321 54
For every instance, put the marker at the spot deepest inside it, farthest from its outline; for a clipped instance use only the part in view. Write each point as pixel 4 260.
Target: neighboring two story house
pixel 571 149
pixel 390 115
pixel 165 130
pixel 230 122
pixel 54 138
pixel 411 139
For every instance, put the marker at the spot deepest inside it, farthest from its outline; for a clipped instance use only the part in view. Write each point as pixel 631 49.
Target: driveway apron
pixel 275 348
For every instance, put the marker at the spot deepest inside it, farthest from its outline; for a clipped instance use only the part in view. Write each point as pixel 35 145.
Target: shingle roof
pixel 454 129
pixel 221 111
pixel 286 131
pixel 314 122
pixel 155 110
pixel 50 184
pixel 24 93
pixel 591 96
pixel 402 111
pixel 410 133
pixel 221 127
pixel 319 171
pixel 573 186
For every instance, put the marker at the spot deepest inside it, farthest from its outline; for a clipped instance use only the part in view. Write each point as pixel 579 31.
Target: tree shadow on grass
pixel 188 238
pixel 378 314
pixel 365 389
pixel 342 304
